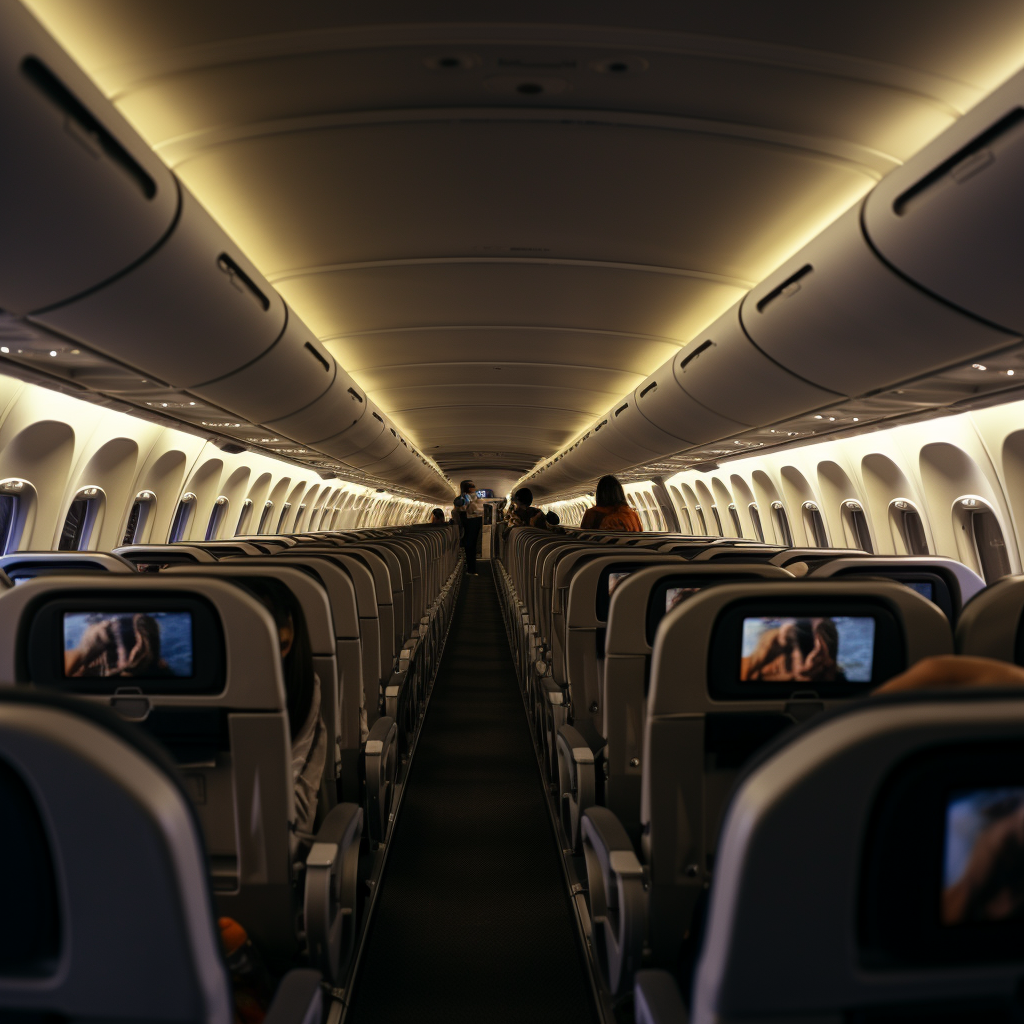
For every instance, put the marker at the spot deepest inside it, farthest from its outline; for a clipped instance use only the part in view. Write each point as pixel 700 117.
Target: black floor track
pixel 473 921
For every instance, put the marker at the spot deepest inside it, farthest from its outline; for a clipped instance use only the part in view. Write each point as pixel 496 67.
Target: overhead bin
pixel 951 218
pixel 631 438
pixel 840 318
pixel 193 311
pixel 291 376
pixel 341 405
pixel 729 376
pixel 83 196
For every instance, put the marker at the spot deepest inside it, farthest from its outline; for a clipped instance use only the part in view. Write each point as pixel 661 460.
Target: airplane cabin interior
pixel 511 513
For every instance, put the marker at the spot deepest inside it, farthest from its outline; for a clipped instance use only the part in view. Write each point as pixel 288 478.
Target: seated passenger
pixel 302 693
pixel 522 512
pixel 437 517
pixel 547 521
pixel 611 511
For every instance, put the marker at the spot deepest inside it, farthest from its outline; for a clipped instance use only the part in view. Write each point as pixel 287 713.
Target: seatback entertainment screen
pixel 983 868
pixel 143 645
pixel 827 649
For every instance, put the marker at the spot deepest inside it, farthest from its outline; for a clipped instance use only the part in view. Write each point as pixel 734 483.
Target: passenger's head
pixel 523 497
pixel 437 517
pixel 552 518
pixel 467 486
pixel 296 652
pixel 609 492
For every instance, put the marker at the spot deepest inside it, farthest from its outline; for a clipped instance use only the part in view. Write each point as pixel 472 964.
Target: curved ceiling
pixel 500 227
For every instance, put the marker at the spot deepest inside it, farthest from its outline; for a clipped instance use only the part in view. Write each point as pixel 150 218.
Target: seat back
pixel 226 548
pixel 153 557
pixel 312 598
pixel 947 582
pixel 990 623
pixel 215 698
pixel 637 606
pixel 871 869
pixel 25 565
pixel 733 667
pixel 106 904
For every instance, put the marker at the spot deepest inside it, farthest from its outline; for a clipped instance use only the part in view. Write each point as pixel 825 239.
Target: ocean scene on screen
pixel 174 629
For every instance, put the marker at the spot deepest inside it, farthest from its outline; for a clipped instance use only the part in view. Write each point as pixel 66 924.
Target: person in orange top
pixel 611 511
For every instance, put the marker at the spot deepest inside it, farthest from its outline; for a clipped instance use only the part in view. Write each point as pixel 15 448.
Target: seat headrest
pixel 991 624
pixel 120 924
pixel 873 862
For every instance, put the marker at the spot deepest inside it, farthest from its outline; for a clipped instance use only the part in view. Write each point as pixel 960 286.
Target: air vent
pixel 85 124
pixel 319 358
pixel 240 279
pixel 788 287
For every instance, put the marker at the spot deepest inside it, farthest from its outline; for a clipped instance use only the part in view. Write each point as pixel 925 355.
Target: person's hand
pixel 954 671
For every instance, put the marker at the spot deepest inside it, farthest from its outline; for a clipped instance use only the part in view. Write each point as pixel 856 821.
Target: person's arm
pixel 954 671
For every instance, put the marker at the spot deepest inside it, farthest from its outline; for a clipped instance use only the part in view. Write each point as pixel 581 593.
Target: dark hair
pixel 552 518
pixel 524 496
pixel 437 514
pixel 464 486
pixel 298 663
pixel 609 492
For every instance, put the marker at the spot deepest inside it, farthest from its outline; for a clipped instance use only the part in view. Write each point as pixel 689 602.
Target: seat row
pixel 198 647
pixel 655 674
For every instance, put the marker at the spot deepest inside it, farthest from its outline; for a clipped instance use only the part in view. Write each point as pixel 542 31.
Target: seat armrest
pixel 618 901
pixel 577 781
pixel 658 1000
pixel 329 899
pixel 299 999
pixel 381 762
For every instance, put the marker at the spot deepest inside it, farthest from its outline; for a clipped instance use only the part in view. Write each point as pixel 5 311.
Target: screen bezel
pixel 889 657
pixel 942 599
pixel 902 871
pixel 659 592
pixel 44 654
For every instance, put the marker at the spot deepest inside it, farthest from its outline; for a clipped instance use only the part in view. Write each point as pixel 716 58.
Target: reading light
pixel 4 349
pixel 978 366
pixel 1009 373
pixel 817 417
pixel 53 352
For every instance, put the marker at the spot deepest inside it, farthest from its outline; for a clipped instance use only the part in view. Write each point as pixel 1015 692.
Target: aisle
pixel 473 921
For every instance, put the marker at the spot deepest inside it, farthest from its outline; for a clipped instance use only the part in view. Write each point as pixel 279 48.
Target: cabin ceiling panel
pixel 398 401
pixel 383 350
pixel 507 292
pixel 716 207
pixel 509 372
pixel 467 420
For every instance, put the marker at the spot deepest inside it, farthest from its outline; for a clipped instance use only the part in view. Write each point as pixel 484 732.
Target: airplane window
pixel 285 508
pixel 182 518
pixel 81 518
pixel 144 503
pixel 814 525
pixel 265 517
pixel 783 534
pixel 687 522
pixel 718 521
pixel 735 517
pixel 755 522
pixel 907 528
pixel 856 527
pixel 700 519
pixel 220 507
pixel 978 520
pixel 8 517
pixel 244 518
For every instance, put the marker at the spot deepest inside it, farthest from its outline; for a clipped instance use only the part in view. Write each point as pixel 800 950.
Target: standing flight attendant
pixel 472 515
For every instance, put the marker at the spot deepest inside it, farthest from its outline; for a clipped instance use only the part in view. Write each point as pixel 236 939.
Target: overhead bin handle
pixel 788 287
pixel 319 358
pixel 650 387
pixel 241 280
pixel 83 124
pixel 965 162
pixel 702 347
